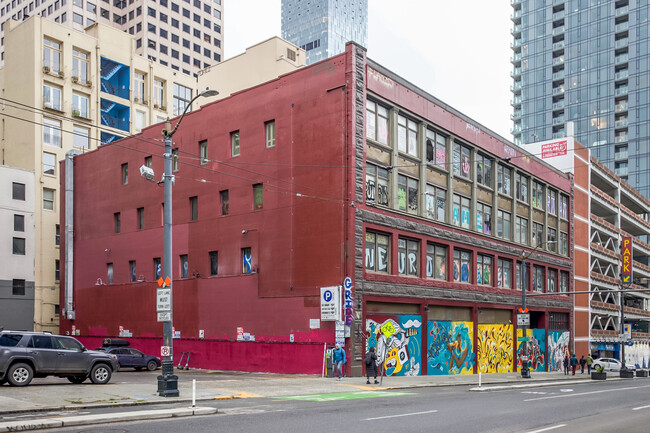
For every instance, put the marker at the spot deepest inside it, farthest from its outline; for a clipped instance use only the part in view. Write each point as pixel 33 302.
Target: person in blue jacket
pixel 338 359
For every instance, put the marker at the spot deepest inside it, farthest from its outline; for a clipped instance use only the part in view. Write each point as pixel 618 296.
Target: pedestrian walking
pixel 590 361
pixel 583 362
pixel 338 359
pixel 574 363
pixel 371 365
pixel 566 365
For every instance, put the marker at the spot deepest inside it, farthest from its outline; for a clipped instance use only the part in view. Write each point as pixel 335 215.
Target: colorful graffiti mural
pixel 398 342
pixel 558 346
pixel 450 347
pixel 495 348
pixel 535 349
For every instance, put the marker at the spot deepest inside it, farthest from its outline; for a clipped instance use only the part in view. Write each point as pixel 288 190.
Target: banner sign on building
pixel 626 252
pixel 348 301
pixel 550 150
pixel 330 303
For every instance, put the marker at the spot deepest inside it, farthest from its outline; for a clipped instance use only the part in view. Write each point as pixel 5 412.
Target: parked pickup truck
pixel 26 355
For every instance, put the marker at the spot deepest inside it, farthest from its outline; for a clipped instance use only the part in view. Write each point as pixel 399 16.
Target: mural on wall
pixel 535 349
pixel 397 340
pixel 495 348
pixel 558 346
pixel 450 347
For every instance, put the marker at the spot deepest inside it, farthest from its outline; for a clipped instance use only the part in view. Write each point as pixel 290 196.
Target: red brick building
pixel 340 169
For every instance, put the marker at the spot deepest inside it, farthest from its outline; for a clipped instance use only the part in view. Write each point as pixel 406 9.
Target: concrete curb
pixel 72 421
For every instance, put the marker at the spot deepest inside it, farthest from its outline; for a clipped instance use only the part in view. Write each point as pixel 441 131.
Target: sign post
pixel 626 280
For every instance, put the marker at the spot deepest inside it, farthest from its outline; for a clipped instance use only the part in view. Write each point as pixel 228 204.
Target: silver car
pixel 611 364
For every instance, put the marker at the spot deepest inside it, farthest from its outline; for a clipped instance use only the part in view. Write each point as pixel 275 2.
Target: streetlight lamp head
pixel 209 92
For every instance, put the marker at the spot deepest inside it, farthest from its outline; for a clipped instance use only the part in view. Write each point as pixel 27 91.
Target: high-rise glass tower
pixel 322 27
pixel 586 62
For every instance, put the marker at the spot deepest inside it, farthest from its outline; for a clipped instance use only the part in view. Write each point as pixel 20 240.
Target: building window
pixel 125 174
pixel 408 257
pixel 376 122
pixel 484 218
pixel 174 159
pixel 81 137
pixel 564 206
pixel 462 262
pixel 77 18
pixel 436 262
pixel 51 55
pixel 184 265
pixel 407 136
pixel 258 196
pixel 377 185
pixel 138 87
pixel 552 281
pixel 223 198
pixel 140 218
pixel 18 287
pixel 484 269
pixel 159 93
pixel 436 203
pixel 52 132
pixel 19 246
pixel 538 278
pixel 49 162
pixel 157 268
pixel 503 179
pixel 519 280
pixel 79 66
pixel 57 235
pixel 377 252
pixel 484 170
pixel 52 97
pixel 214 262
pixel 564 282
pixel 247 259
pixel 537 197
pixel 109 273
pixel 148 161
pixel 182 98
pixel 551 198
pixel 460 211
pixel 234 143
pixel 203 151
pixel 117 220
pixel 19 223
pixel 538 230
pixel 194 208
pixel 18 191
pixel 270 133
pixel 436 149
pixel 407 194
pixel 48 199
pixel 503 224
pixel 80 106
pixel 521 187
pixel 551 239
pixel 564 244
pixel 133 272
pixel 504 277
pixel 461 161
pixel 57 271
pixel 521 230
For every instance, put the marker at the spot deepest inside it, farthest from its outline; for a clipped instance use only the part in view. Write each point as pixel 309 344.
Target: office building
pixel 322 27
pixel 585 62
pixel 342 179
pixel 186 36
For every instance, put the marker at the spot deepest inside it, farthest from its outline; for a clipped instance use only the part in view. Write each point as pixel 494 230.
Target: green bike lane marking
pixel 339 396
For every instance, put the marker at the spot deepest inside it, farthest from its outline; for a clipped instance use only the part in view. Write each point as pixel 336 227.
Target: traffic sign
pixel 165 316
pixel 388 329
pixel 523 319
pixel 164 300
pixel 523 338
pixel 164 351
pixel 330 303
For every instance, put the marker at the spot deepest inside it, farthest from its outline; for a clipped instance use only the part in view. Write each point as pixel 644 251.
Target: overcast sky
pixel 458 51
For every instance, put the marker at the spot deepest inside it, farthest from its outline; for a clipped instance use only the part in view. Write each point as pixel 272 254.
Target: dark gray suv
pixel 26 355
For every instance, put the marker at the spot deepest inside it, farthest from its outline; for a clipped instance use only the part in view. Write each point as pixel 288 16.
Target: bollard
pixel 479 379
pixel 193 393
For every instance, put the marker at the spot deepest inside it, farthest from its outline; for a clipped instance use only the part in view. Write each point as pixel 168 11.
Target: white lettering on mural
pixel 412 259
pixel 382 255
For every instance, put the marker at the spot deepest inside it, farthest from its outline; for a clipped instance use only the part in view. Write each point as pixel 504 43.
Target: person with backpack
pixel 574 363
pixel 583 362
pixel 371 364
pixel 590 361
pixel 338 359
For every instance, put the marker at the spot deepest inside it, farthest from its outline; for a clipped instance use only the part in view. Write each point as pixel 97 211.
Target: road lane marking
pixel 338 396
pixel 642 407
pixel 548 428
pixel 587 393
pixel 402 414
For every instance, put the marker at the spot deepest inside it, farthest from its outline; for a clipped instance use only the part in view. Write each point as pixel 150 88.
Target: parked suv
pixel 26 355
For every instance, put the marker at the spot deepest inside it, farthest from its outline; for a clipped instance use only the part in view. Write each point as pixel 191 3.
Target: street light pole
pixel 168 381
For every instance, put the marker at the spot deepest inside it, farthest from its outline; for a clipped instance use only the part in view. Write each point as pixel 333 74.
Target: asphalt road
pixel 596 406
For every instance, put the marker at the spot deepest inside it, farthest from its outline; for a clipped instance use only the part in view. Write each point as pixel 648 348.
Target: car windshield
pixel 10 340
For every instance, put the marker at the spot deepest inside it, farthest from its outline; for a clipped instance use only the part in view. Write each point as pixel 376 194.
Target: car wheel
pixel 151 365
pixel 595 366
pixel 100 374
pixel 77 379
pixel 20 374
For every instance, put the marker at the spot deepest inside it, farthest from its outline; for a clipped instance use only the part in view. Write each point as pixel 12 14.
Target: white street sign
pixel 523 319
pixel 163 300
pixel 330 303
pixel 165 316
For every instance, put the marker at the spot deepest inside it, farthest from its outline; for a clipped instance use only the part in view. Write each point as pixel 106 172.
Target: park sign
pixel 626 253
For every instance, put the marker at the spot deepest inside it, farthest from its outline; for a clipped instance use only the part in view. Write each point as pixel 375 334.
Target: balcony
pixel 516 115
pixel 558 31
pixel 621 43
pixel 620 108
pixel 558 120
pixel 622 155
pixel 515 44
pixel 559 134
pixel 558 90
pixel 516 129
pixel 516 58
pixel 516 16
pixel 558 105
pixel 619 124
pixel 558 16
pixel 620 91
pixel 516 72
pixel 620 139
pixel 516 30
pixel 516 87
pixel 620 59
pixel 558 60
pixel 558 46
pixel 620 12
pixel 516 101
pixel 622 27
pixel 515 2
pixel 558 75
pixel 621 75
